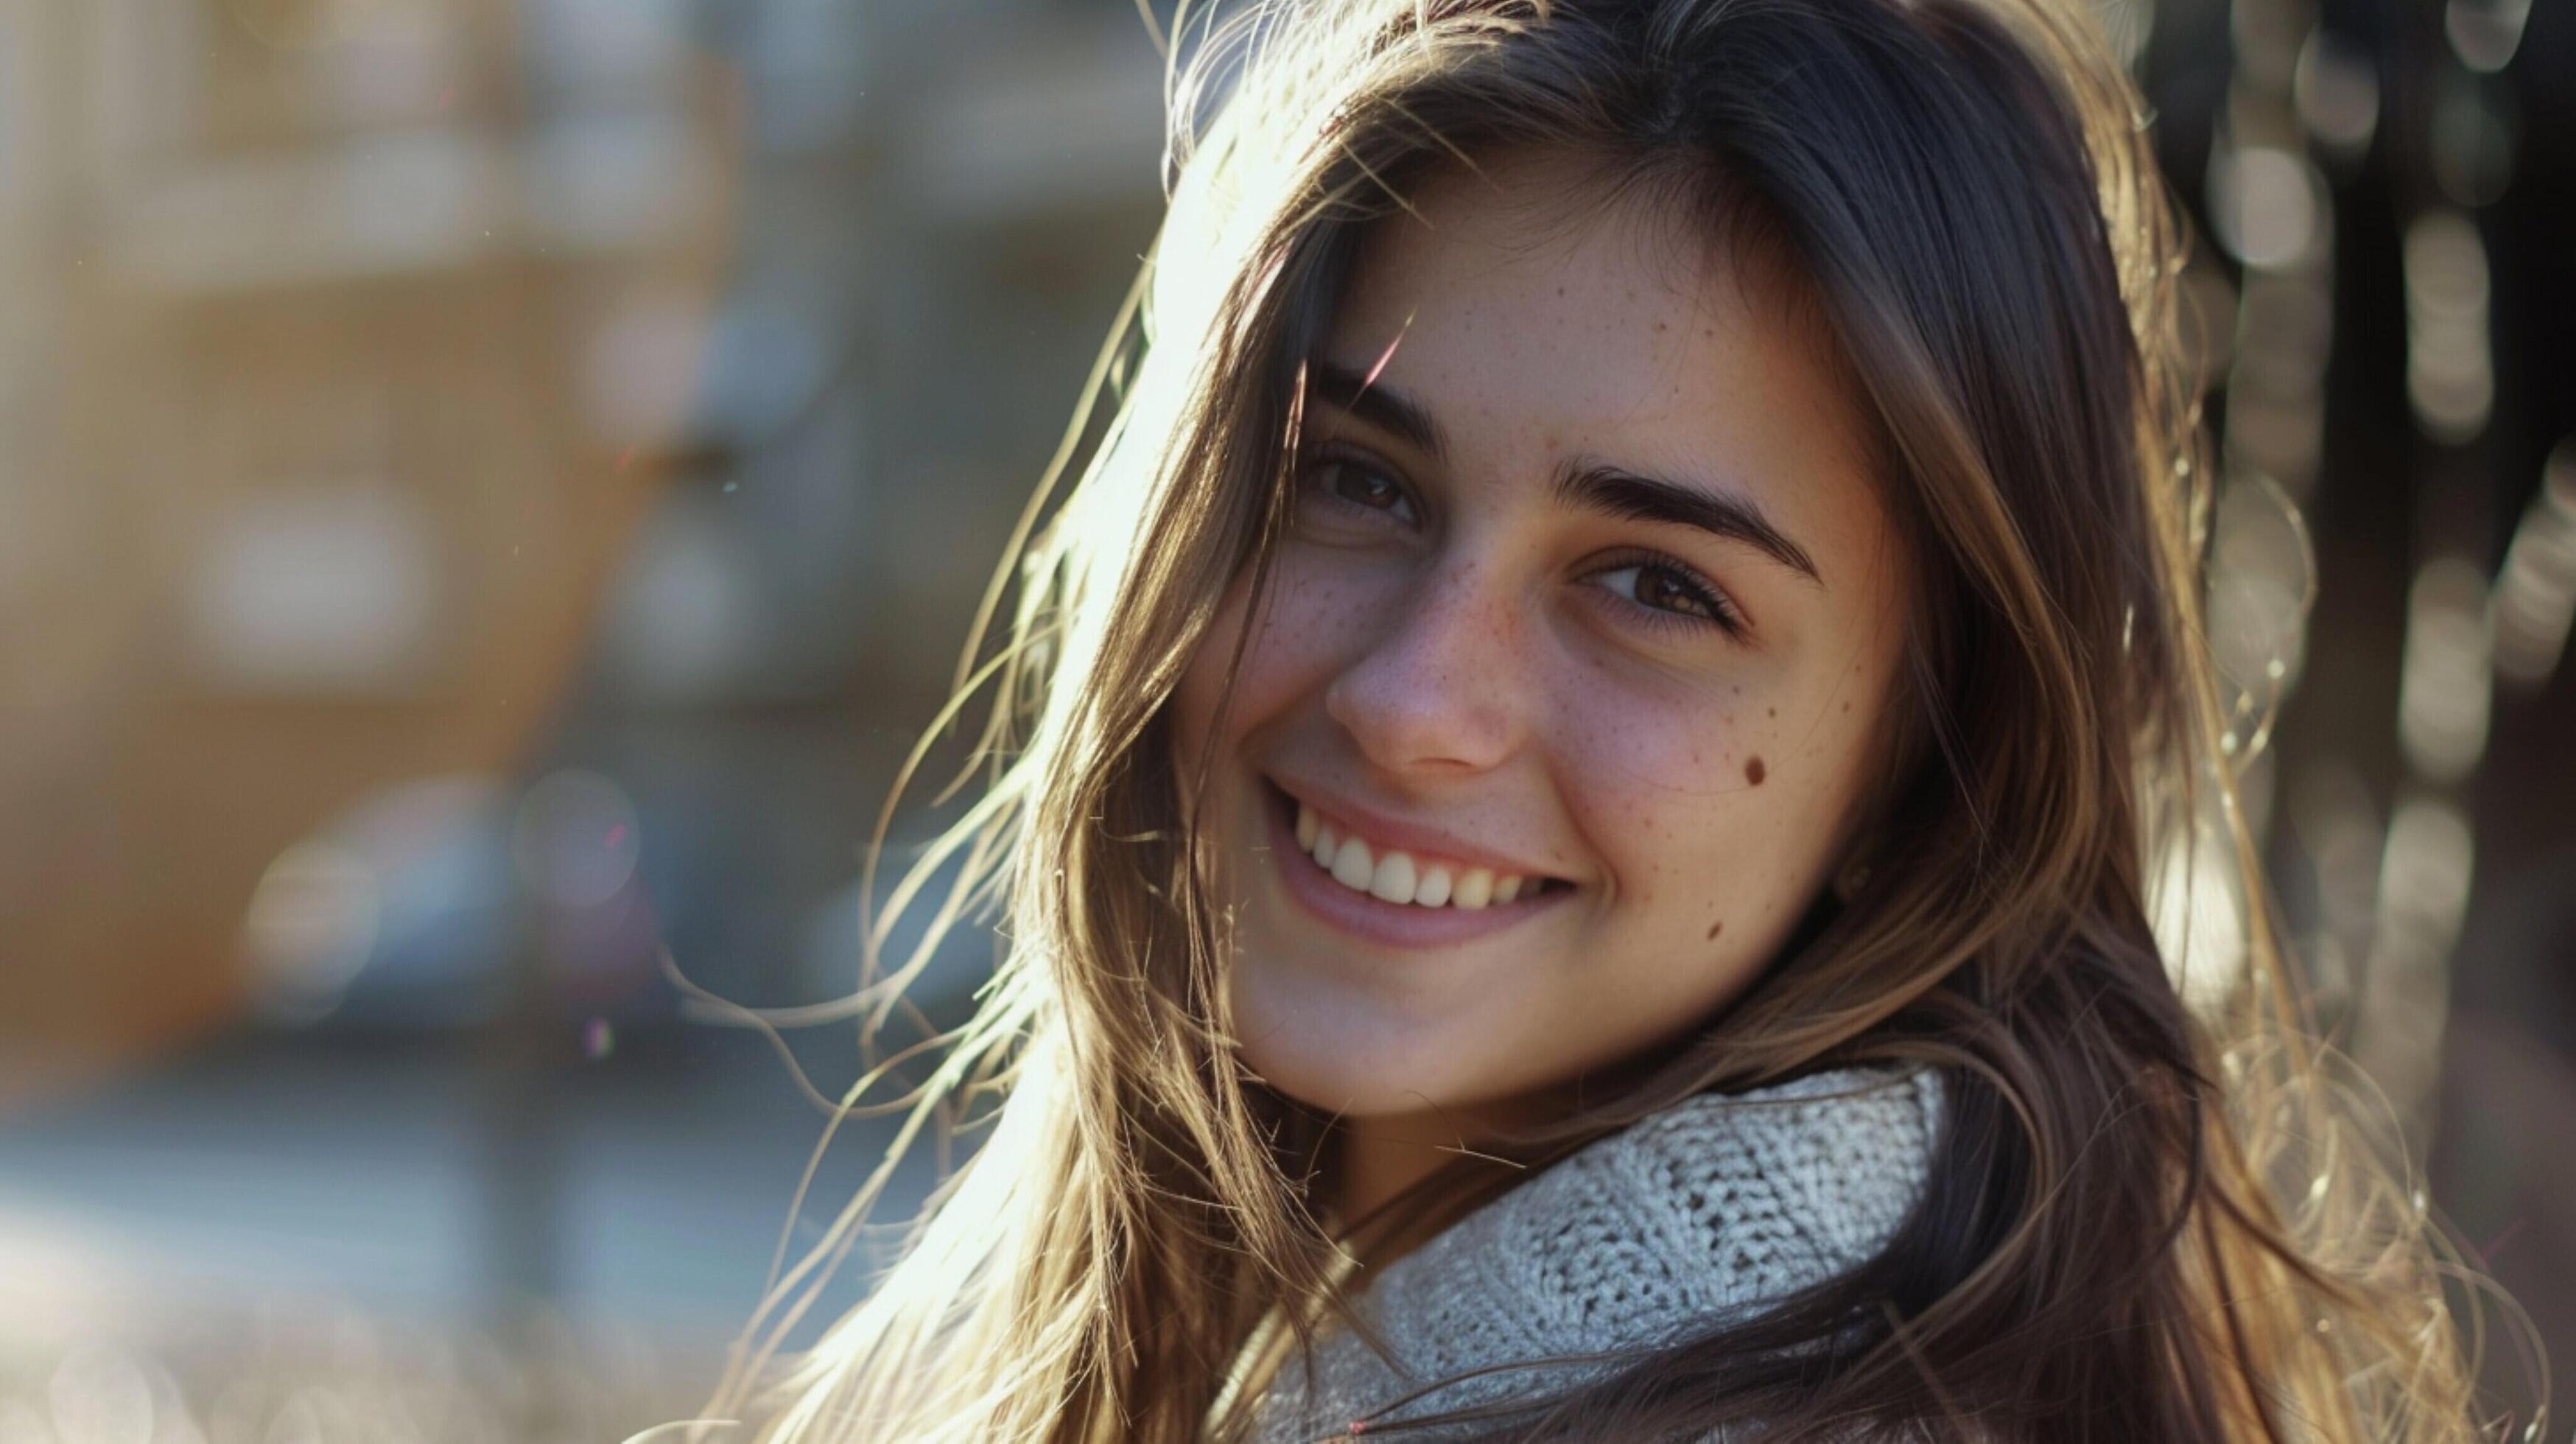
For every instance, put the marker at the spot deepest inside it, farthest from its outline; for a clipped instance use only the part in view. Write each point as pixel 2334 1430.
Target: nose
pixel 1438 688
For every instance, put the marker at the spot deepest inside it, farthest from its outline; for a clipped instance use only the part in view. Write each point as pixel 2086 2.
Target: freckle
pixel 1771 711
pixel 1753 771
pixel 1846 706
pixel 1713 927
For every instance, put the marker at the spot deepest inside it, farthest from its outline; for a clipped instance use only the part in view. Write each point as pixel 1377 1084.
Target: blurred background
pixel 490 489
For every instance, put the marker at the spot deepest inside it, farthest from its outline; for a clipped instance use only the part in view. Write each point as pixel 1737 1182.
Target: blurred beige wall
pixel 340 353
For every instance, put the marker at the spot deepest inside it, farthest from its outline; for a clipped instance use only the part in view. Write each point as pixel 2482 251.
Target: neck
pixel 1377 1158
pixel 1377 1162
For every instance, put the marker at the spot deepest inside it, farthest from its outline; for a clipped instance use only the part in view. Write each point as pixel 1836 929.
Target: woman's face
pixel 1589 587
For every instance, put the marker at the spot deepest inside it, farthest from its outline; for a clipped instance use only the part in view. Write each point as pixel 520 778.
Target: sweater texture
pixel 1690 1218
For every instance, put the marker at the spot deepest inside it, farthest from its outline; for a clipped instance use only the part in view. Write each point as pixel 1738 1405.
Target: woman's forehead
pixel 1684 228
pixel 1533 312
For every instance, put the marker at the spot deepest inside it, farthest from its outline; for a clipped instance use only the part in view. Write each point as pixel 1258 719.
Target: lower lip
pixel 1373 919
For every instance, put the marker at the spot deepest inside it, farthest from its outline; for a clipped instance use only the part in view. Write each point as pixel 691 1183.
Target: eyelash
pixel 1722 613
pixel 1331 457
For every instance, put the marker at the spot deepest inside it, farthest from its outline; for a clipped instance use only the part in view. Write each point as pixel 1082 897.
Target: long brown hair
pixel 2148 1216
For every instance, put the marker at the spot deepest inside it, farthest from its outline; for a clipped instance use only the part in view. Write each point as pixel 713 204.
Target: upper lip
pixel 1378 828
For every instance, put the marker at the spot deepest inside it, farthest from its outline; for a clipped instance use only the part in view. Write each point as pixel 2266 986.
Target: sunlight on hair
pixel 2262 587
pixel 2199 917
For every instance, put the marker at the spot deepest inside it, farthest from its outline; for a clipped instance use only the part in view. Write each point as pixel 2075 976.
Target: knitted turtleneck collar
pixel 1693 1216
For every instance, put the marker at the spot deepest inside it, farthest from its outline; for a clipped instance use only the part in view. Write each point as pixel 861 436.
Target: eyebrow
pixel 1587 486
pixel 1372 402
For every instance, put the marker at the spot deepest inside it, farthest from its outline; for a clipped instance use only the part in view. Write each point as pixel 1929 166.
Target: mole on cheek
pixel 1713 927
pixel 1753 771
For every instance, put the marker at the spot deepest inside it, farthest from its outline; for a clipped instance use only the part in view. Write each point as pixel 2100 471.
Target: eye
pixel 1661 592
pixel 1353 485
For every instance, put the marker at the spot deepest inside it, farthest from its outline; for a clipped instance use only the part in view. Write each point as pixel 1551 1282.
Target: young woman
pixel 1586 768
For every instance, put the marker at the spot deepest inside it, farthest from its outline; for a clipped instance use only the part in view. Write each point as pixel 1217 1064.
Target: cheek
pixel 1312 621
pixel 1669 796
pixel 1194 699
pixel 1713 810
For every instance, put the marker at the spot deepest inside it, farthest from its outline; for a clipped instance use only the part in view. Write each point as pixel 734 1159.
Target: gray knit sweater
pixel 1685 1220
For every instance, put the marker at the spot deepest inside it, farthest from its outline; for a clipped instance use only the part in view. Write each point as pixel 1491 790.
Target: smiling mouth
pixel 1397 875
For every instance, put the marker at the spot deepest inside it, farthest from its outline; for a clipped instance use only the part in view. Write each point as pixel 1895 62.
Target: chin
pixel 1357 1057
pixel 1345 1058
pixel 1330 1090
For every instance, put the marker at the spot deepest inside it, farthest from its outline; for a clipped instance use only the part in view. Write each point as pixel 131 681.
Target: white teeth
pixel 1352 866
pixel 1475 889
pixel 1393 879
pixel 1433 890
pixel 1395 876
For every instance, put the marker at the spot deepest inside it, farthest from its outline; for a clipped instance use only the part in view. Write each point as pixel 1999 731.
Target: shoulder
pixel 1692 1215
pixel 1719 1202
pixel 1774 1189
